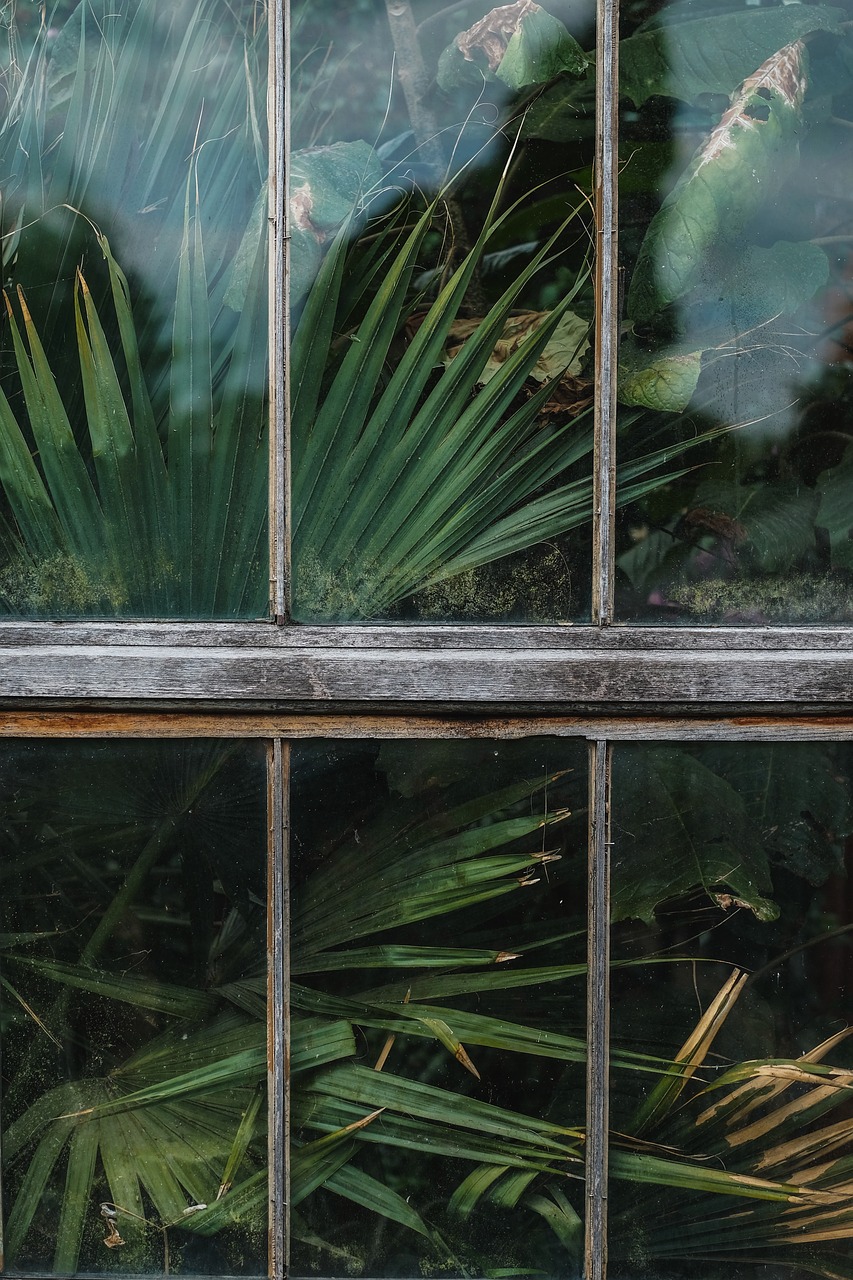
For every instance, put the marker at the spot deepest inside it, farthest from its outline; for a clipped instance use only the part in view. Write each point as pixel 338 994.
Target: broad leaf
pixel 688 828
pixel 773 523
pixel 764 283
pixel 685 59
pixel 662 379
pixel 797 800
pixel 326 185
pixel 520 44
pixel 738 169
pixel 564 112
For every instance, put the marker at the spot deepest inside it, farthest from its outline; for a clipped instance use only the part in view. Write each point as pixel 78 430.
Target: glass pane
pixel 438 1001
pixel 133 1008
pixel 441 284
pixel 732 1140
pixel 735 231
pixel 133 464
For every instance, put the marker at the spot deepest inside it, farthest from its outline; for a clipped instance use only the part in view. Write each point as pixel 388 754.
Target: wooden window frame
pixel 275 680
pixel 603 676
pixel 582 673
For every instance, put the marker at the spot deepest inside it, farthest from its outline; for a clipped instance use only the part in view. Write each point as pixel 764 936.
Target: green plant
pixel 714 1156
pixel 134 1028
pixel 410 469
pixel 437 1030
pixel 403 480
pixel 737 304
pixel 774 1118
pixel 134 458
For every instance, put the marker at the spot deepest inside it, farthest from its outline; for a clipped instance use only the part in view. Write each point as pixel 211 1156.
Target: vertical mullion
pixel 278 766
pixel 598 1011
pixel 278 114
pixel 607 306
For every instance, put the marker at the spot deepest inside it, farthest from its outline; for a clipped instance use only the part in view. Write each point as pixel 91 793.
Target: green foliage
pixel 406 475
pixel 654 379
pixel 679 55
pixel 438 938
pixel 798 802
pixel 733 175
pixel 538 51
pixel 734 287
pixel 701 821
pixel 326 184
pixel 162 1066
pixel 775 281
pixel 774 524
pixel 135 456
pixel 563 112
pixel 521 48
pixel 765 1115
pixel 133 460
pixel 429 478
pixel 734 294
pixel 722 853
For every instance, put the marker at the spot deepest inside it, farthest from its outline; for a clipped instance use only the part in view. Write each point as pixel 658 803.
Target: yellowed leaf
pixel 563 354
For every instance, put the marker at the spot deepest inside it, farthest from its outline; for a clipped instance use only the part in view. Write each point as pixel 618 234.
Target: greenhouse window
pixel 425 651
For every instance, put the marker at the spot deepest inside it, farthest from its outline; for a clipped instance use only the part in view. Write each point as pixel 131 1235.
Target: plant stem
pixel 414 81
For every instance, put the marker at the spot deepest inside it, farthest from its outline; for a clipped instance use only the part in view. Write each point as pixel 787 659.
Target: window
pixel 461 887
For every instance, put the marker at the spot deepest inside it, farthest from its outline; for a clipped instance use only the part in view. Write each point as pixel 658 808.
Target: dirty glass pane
pixel 736 227
pixel 133 456
pixel 732 988
pixel 438 1004
pixel 442 299
pixel 133 1008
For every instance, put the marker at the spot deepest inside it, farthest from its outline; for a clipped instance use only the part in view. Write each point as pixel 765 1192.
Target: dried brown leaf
pixel 491 35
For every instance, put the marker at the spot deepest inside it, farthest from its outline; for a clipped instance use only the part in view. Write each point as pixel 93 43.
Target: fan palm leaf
pixel 134 463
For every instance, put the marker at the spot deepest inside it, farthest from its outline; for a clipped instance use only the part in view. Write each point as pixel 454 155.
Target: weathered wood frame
pixel 478 670
pixel 604 683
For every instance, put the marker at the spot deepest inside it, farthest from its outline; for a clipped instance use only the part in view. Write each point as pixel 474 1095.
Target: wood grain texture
pixel 278 1004
pixel 783 725
pixel 279 126
pixel 597 1011
pixel 264 635
pixel 606 320
pixel 551 671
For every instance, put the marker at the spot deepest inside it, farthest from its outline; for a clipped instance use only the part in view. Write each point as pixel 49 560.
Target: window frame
pixel 803 673
pixel 272 679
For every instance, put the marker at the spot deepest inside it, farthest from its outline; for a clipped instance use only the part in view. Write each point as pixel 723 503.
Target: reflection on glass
pixel 736 134
pixel 438 1003
pixel 442 300
pixel 133 1008
pixel 732 982
pixel 133 462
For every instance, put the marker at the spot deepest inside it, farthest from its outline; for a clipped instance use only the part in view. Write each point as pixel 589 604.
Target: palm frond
pixel 135 467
